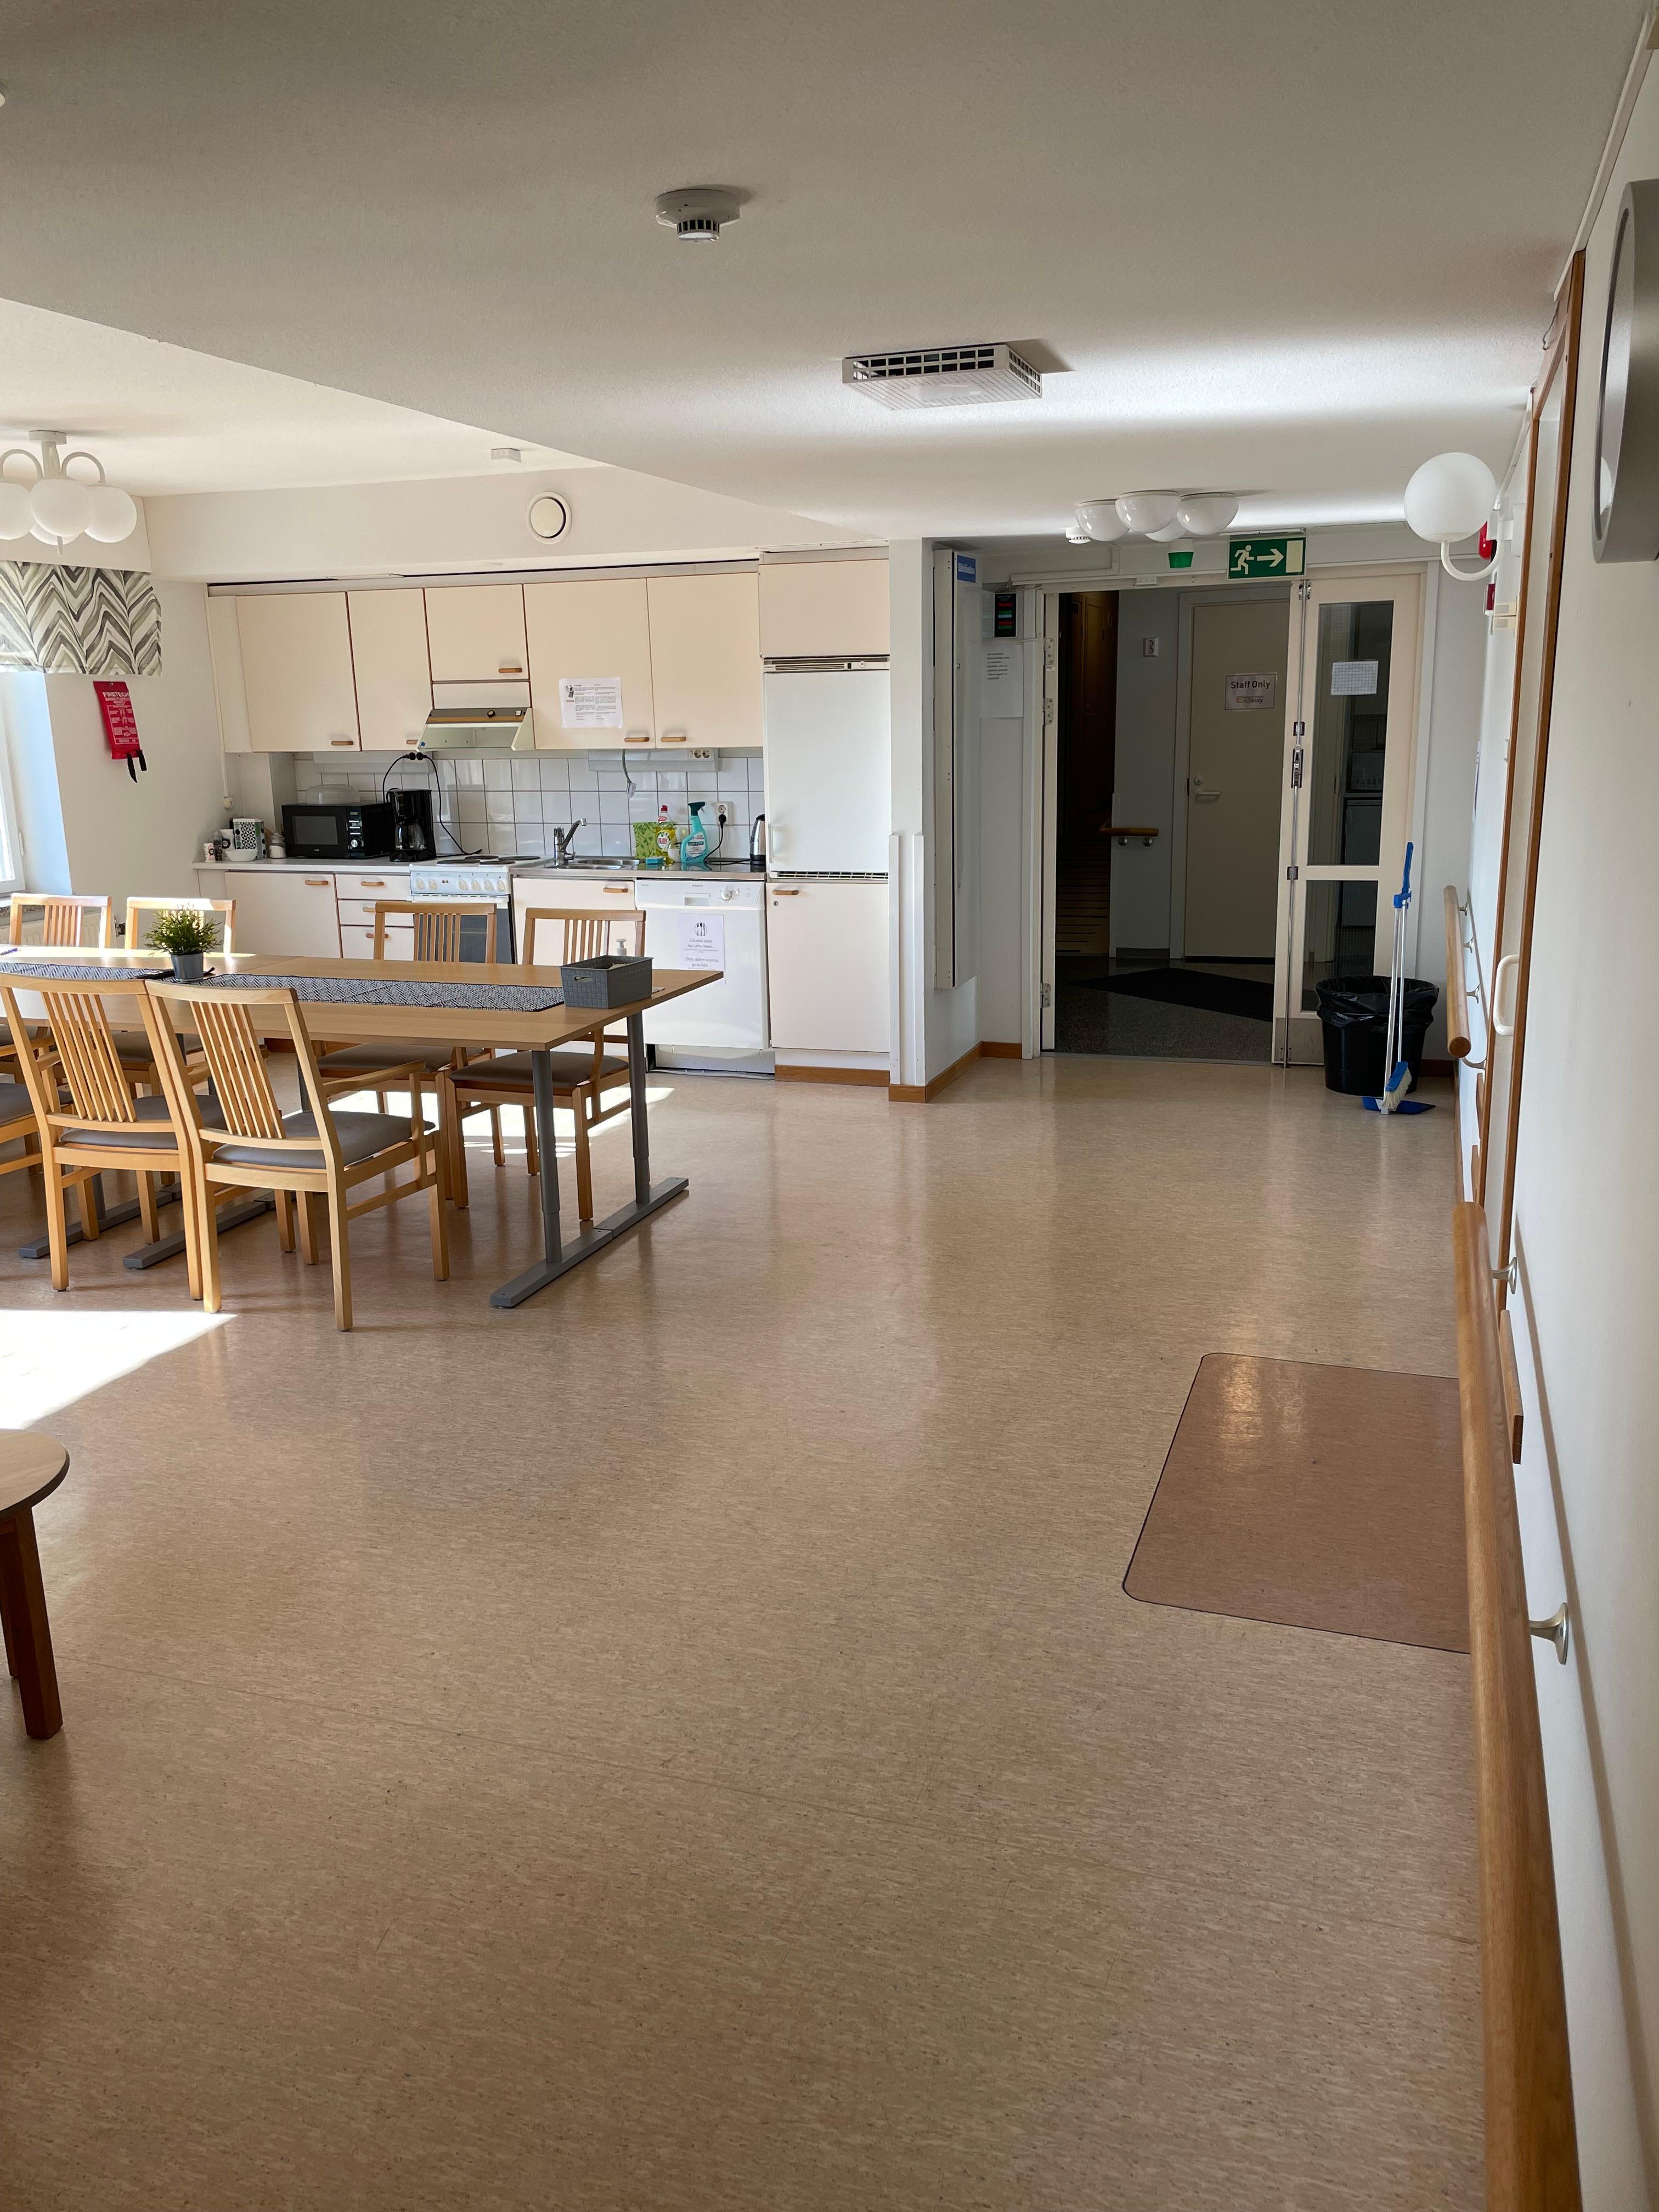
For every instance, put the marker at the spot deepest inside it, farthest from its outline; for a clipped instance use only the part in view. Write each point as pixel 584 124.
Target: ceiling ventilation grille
pixel 943 376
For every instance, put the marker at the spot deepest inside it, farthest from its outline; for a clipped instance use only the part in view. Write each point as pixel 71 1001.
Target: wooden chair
pixel 62 917
pixel 87 1112
pixel 17 1124
pixel 437 935
pixel 579 1077
pixel 316 1152
pixel 138 908
pixel 31 1468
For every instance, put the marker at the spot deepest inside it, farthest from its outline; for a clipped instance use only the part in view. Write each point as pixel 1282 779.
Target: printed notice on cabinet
pixel 590 702
pixel 702 942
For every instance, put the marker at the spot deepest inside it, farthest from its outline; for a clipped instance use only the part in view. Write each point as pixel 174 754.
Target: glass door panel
pixel 1348 796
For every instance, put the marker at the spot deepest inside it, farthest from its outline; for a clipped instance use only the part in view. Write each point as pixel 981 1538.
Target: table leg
pixel 647 1196
pixel 28 1634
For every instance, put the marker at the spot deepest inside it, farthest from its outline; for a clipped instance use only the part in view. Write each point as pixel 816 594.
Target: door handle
pixel 1199 792
pixel 1512 961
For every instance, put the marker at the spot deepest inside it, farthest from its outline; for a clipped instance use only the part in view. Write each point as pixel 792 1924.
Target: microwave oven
pixel 316 829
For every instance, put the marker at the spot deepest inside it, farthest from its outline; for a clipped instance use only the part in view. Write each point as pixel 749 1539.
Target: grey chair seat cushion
pixel 361 1136
pixel 133 1045
pixel 512 1070
pixel 14 1101
pixel 391 1052
pixel 147 1137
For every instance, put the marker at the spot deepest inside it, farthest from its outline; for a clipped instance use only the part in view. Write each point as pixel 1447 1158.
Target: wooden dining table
pixel 538 1033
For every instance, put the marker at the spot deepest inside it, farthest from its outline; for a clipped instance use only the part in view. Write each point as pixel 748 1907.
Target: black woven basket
pixel 611 979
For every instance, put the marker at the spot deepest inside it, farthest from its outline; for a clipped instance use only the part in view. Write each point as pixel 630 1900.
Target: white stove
pixel 474 876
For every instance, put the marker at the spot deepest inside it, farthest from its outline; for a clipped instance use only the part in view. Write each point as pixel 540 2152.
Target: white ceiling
pixel 1287 247
pixel 163 419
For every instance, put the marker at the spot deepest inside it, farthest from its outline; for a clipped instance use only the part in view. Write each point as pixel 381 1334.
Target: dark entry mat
pixel 1189 986
pixel 1328 1497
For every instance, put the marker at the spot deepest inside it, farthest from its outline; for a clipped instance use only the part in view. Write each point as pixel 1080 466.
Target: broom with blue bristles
pixel 1397 1081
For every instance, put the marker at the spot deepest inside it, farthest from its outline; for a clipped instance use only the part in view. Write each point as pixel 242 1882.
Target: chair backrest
pixel 139 909
pixel 230 1034
pixel 73 1048
pixel 59 917
pixel 437 925
pixel 582 933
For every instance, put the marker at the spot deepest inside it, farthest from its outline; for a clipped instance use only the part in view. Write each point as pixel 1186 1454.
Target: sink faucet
pixel 562 841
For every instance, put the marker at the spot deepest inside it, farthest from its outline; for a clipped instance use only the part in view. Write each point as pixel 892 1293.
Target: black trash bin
pixel 1353 1015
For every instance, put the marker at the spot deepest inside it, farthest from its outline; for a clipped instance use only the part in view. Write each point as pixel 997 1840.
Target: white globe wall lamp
pixel 58 507
pixel 1449 498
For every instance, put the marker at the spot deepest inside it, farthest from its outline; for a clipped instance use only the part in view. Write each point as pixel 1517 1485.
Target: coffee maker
pixel 412 837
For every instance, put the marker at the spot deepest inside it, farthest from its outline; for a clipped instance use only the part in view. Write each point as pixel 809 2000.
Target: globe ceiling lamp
pixel 1449 498
pixel 1206 514
pixel 58 507
pixel 1143 512
pixel 1101 520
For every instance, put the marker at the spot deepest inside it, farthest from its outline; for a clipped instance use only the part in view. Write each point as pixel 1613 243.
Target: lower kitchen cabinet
pixel 566 891
pixel 827 958
pixel 283 910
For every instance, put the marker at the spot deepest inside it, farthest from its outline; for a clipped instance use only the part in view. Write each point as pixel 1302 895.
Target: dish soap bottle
pixel 667 840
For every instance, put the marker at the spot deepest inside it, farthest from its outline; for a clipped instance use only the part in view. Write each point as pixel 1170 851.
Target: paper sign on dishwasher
pixel 702 942
pixel 590 702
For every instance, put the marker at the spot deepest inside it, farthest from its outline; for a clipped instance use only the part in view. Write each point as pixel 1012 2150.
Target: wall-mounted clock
pixel 1626 524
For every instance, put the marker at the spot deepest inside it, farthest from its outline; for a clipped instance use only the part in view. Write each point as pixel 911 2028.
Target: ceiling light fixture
pixel 57 508
pixel 1145 511
pixel 698 213
pixel 1101 520
pixel 1078 531
pixel 1450 497
pixel 1161 516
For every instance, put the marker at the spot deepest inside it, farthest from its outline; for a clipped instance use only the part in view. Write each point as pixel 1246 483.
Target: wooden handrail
pixel 1457 995
pixel 1532 2152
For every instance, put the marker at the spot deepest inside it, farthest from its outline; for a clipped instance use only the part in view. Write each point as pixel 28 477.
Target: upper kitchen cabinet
pixel 828 609
pixel 296 671
pixel 394 682
pixel 593 635
pixel 705 659
pixel 476 632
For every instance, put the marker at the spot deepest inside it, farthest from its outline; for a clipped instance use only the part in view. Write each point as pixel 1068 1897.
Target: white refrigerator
pixel 829 771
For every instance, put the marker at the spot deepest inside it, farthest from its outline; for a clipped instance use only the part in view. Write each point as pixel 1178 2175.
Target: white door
pixel 284 910
pixel 296 673
pixel 1236 691
pixel 589 633
pixel 392 674
pixel 827 950
pixel 1346 800
pixel 824 608
pixel 476 632
pixel 705 659
pixel 829 770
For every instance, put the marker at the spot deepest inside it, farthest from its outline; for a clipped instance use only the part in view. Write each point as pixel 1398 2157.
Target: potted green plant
pixel 187 934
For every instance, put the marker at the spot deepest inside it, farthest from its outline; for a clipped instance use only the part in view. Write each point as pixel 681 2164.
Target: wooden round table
pixel 31 1468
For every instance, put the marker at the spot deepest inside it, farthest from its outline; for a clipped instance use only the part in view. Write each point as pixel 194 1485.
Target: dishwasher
pixel 709 922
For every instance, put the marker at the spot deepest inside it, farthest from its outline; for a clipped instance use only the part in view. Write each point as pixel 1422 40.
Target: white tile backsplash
pixel 512 803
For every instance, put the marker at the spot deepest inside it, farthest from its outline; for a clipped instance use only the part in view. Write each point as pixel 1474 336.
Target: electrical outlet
pixel 1149 648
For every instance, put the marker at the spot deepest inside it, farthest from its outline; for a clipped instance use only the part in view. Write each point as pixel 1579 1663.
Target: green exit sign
pixel 1266 557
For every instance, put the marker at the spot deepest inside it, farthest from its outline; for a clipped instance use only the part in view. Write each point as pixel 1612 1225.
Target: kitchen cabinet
pixel 813 608
pixel 826 955
pixel 565 890
pixel 705 659
pixel 296 673
pixel 389 656
pixel 589 629
pixel 474 632
pixel 284 910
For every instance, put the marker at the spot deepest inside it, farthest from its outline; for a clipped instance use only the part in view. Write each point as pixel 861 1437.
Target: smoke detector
pixel 697 211
pixel 943 376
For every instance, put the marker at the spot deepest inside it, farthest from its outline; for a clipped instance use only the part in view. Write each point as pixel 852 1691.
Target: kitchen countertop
pixel 352 868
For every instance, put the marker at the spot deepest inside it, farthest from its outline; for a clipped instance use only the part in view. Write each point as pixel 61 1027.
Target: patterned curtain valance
pixel 78 621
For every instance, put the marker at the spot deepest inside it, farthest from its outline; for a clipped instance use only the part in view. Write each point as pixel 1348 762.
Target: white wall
pixel 1587 1311
pixel 434 526
pixel 87 827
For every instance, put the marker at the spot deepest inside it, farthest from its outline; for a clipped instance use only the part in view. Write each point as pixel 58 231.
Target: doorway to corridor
pixel 1163 790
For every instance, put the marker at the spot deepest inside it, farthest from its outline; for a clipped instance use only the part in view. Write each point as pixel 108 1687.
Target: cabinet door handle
pixel 786 894
pixel 372 883
pixel 636 737
pixel 343 741
pixel 617 891
pixel 317 883
pixel 673 737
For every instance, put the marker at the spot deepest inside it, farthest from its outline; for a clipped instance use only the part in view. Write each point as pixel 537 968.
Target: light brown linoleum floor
pixel 684 1744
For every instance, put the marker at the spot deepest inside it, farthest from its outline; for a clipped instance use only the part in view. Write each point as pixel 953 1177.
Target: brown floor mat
pixel 1325 1497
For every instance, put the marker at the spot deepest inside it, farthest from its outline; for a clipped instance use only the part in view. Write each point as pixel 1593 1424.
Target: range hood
pixel 478 718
